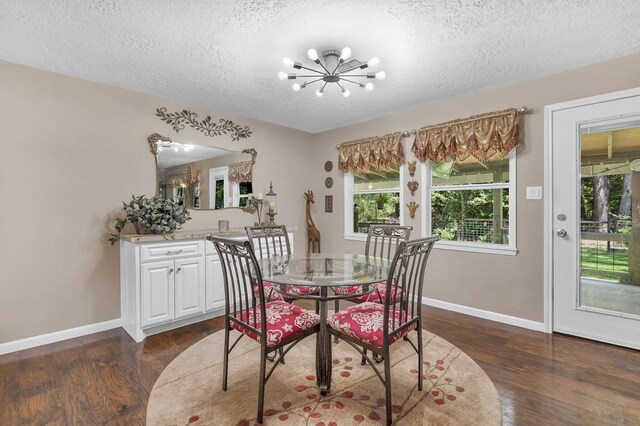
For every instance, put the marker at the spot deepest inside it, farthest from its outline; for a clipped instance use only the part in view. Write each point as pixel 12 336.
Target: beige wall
pixel 510 285
pixel 72 151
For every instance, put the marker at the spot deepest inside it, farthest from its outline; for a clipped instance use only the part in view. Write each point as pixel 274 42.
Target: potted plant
pixel 155 215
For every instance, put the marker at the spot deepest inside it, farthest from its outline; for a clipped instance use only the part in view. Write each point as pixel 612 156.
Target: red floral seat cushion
pixel 376 296
pixel 365 322
pixel 284 321
pixel 271 294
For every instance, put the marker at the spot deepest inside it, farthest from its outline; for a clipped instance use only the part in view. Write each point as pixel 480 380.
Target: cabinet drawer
pixel 210 249
pixel 171 250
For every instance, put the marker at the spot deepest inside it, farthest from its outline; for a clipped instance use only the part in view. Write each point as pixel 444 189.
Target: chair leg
pixel 225 366
pixel 420 356
pixel 387 384
pixel 337 309
pixel 263 362
pixel 363 361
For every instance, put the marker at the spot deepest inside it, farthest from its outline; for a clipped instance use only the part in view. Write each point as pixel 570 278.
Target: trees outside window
pixel 375 197
pixel 471 203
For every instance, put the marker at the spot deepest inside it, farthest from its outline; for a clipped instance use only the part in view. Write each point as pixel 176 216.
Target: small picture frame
pixel 223 225
pixel 328 203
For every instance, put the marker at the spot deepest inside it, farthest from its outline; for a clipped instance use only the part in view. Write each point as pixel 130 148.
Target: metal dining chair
pixel 269 241
pixel 276 325
pixel 382 241
pixel 356 324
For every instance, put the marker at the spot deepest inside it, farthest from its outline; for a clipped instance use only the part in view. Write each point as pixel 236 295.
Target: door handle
pixel 561 233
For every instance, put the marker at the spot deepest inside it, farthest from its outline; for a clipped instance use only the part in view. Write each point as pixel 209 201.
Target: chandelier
pixel 336 67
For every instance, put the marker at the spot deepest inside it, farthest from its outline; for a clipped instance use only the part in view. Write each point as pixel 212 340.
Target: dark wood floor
pixel 105 378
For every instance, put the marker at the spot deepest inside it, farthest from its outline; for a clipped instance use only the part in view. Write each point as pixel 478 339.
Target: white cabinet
pixel 214 287
pixel 189 287
pixel 169 284
pixel 157 289
pixel 162 285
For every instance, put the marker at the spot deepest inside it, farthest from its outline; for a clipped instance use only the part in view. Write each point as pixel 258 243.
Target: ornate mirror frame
pixel 155 138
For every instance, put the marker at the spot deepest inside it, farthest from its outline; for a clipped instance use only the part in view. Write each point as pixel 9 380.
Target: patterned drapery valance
pixel 378 152
pixel 483 137
pixel 241 172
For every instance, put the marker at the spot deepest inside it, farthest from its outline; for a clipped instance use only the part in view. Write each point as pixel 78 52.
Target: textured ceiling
pixel 226 54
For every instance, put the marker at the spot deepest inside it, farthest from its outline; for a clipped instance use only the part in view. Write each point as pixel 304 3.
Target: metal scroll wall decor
pixel 178 121
pixel 413 206
pixel 412 167
pixel 413 186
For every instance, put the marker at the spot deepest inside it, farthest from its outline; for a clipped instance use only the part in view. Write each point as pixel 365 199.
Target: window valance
pixel 483 136
pixel 378 152
pixel 241 172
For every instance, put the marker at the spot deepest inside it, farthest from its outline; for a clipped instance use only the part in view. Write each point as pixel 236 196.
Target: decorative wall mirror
pixel 203 177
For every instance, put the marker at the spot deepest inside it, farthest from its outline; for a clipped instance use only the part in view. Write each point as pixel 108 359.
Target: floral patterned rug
pixel 456 391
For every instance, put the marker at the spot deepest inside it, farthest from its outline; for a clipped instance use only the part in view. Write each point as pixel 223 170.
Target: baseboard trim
pixel 493 316
pixel 57 336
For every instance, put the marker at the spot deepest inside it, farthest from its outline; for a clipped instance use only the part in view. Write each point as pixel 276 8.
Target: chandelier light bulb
pixel 312 54
pixel 373 61
pixel 381 75
pixel 282 75
pixel 346 54
pixel 319 93
pixel 287 61
pixel 296 87
pixel 346 93
pixel 369 87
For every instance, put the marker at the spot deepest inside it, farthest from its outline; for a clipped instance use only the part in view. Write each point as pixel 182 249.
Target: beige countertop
pixel 184 235
pixel 190 234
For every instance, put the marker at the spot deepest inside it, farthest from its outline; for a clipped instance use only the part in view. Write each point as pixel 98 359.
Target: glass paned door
pixel 595 217
pixel 609 207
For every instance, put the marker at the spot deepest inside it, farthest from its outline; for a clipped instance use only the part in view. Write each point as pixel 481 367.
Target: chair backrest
pixel 382 240
pixel 241 272
pixel 406 273
pixel 268 241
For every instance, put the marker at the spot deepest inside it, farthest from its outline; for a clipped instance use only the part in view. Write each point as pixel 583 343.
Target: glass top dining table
pixel 324 272
pixel 324 269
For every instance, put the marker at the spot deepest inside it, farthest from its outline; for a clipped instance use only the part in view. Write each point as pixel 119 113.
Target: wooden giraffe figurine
pixel 313 235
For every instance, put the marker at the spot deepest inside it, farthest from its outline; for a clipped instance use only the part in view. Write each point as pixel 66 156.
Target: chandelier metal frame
pixel 336 68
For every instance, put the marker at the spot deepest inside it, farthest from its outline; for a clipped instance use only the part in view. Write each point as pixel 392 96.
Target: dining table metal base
pixel 324 362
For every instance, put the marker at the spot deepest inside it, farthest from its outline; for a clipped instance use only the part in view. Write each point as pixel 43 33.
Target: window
pixel 472 204
pixel 372 197
pixel 241 192
pixel 218 187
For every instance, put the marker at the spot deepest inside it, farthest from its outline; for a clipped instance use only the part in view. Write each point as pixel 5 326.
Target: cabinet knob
pixel 170 270
pixel 179 269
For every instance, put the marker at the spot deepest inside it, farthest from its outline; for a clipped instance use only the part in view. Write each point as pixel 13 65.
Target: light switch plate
pixel 534 193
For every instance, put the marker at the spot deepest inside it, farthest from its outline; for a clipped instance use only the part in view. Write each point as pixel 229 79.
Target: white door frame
pixel 548 193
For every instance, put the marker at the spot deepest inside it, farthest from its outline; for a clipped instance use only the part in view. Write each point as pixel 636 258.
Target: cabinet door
pixel 157 292
pixel 189 287
pixel 214 283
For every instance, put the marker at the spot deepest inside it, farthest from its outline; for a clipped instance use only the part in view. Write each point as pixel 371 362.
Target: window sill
pixel 355 237
pixel 477 248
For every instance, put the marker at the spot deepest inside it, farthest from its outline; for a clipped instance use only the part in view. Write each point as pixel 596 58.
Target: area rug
pixel 455 389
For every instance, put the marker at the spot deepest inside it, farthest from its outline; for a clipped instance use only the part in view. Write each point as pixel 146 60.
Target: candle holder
pixel 272 205
pixel 257 203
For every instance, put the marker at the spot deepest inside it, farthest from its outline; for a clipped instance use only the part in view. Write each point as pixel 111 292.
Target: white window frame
pixel 236 196
pixel 348 204
pixel 503 249
pixel 216 174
